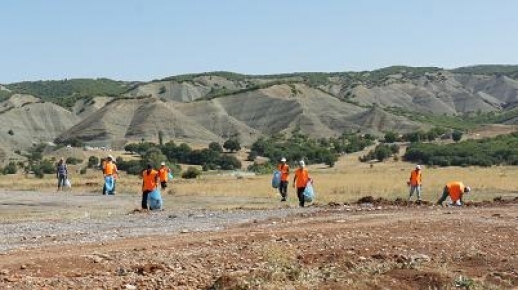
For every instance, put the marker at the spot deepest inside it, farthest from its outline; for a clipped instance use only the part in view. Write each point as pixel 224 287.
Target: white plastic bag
pixel 68 183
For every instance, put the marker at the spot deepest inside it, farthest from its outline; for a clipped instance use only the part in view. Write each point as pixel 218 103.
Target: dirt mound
pixel 380 201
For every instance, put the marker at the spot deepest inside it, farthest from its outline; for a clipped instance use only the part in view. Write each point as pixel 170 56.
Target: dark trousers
pixel 300 195
pixel 145 193
pixel 163 184
pixel 283 189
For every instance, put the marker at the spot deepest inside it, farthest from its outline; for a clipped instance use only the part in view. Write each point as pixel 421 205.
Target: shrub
pixel 82 171
pixel 215 146
pixel 73 160
pixel 10 132
pixel 190 173
pixel 93 161
pixel 10 168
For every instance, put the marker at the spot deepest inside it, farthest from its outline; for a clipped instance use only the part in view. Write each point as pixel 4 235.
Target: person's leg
pixel 145 193
pixel 412 189
pixel 60 183
pixel 112 192
pixel 163 184
pixel 418 192
pixel 444 196
pixel 282 190
pixel 104 187
pixel 300 195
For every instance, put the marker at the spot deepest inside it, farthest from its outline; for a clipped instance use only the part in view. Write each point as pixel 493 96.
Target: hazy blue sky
pixel 151 39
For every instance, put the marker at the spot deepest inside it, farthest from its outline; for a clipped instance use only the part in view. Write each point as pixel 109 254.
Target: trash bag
pixel 68 183
pixel 154 200
pixel 309 193
pixel 170 176
pixel 276 179
pixel 109 182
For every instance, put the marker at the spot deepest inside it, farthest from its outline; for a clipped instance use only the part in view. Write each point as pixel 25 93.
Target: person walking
pixel 110 172
pixel 163 173
pixel 285 173
pixel 300 180
pixel 455 190
pixel 61 173
pixel 415 183
pixel 149 183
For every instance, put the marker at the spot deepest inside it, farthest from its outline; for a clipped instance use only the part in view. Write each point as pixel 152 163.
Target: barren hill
pixel 215 106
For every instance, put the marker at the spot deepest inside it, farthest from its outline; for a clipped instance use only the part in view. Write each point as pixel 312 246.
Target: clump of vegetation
pixel 66 92
pixel 73 160
pixel 191 173
pixel 300 146
pixel 381 153
pixel 500 150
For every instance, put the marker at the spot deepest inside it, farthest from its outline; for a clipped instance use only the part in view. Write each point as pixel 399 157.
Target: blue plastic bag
pixel 154 200
pixel 170 176
pixel 309 193
pixel 276 179
pixel 108 183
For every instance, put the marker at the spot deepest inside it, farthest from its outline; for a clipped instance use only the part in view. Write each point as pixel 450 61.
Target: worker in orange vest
pixel 415 183
pixel 109 169
pixel 149 183
pixel 300 181
pixel 285 173
pixel 455 190
pixel 163 172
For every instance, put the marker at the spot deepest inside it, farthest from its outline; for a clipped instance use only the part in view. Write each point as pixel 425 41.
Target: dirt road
pixel 341 247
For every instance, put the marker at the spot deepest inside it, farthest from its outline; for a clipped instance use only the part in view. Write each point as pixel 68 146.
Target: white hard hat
pixel 163 163
pixel 418 167
pixel 301 163
pixel 283 159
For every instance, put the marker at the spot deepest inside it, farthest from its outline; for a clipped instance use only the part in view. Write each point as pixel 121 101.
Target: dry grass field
pixel 347 181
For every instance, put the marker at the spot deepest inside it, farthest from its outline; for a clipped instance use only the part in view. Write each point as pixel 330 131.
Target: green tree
pixel 390 137
pixel 93 161
pixel 216 147
pixel 232 145
pixel 456 135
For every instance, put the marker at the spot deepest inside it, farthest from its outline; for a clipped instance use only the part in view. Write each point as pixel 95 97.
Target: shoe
pixel 283 199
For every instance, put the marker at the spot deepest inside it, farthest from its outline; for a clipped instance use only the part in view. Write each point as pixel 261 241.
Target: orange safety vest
pixel 456 190
pixel 162 172
pixel 149 180
pixel 301 177
pixel 415 177
pixel 285 171
pixel 109 168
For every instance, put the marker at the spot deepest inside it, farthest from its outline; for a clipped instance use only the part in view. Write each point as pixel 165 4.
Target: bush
pixel 214 146
pixel 10 132
pixel 82 171
pixel 11 168
pixel 93 161
pixel 73 160
pixel 190 173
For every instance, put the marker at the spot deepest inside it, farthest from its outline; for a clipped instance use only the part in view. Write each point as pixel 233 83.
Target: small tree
pixel 190 173
pixel 232 145
pixel 390 137
pixel 215 146
pixel 10 132
pixel 456 135
pixel 93 161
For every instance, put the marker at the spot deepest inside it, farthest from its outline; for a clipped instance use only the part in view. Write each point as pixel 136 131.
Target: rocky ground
pixel 376 244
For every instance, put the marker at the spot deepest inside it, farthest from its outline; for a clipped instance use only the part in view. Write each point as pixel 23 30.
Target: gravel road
pixel 53 219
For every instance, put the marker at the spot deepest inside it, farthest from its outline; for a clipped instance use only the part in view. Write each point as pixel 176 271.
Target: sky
pixel 143 40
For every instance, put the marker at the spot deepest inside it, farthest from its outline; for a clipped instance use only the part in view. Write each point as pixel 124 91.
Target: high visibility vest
pixel 456 190
pixel 149 180
pixel 301 177
pixel 415 177
pixel 285 171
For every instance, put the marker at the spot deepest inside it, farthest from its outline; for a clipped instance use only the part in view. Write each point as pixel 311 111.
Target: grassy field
pixel 347 181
